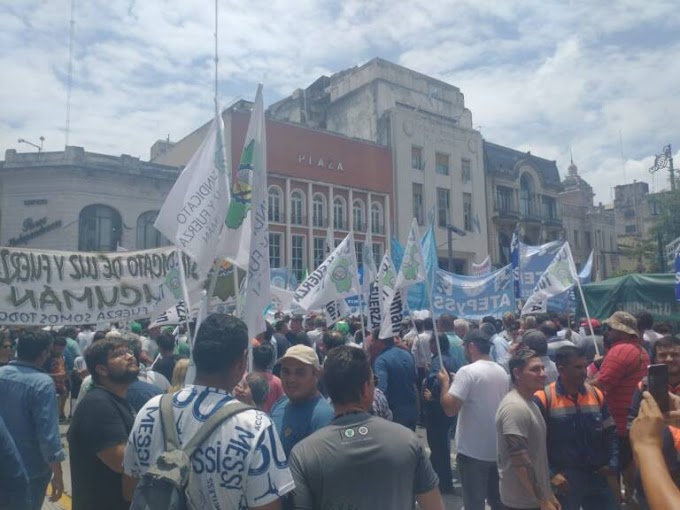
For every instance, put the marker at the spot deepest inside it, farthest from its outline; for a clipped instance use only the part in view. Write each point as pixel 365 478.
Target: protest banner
pixel 41 287
pixel 534 260
pixel 474 297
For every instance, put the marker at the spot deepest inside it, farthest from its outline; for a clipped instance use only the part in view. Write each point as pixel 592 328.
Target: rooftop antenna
pixel 70 72
pixel 39 147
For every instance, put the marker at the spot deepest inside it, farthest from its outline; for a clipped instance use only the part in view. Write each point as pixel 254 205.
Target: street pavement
pixel 451 501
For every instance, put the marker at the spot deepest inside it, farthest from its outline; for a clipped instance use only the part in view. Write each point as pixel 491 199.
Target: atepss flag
pixel 557 278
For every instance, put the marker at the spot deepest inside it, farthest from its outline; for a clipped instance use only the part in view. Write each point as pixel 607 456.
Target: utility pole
pixel 665 160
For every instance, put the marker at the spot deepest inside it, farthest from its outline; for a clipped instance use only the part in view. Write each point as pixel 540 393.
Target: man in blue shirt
pixel 14 493
pixel 29 409
pixel 302 410
pixel 397 379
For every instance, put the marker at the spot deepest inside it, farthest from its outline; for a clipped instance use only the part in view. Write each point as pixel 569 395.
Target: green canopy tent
pixel 633 293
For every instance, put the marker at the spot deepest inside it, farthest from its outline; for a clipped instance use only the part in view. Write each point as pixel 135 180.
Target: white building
pixel 437 157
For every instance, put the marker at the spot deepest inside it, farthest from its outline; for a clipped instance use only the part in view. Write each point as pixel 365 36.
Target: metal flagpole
pixel 585 308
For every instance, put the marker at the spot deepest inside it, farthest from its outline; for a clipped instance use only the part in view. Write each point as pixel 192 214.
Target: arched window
pixel 147 235
pixel 377 218
pixel 339 214
pixel 99 228
pixel 297 207
pixel 358 215
pixel 319 210
pixel 274 204
pixel 526 194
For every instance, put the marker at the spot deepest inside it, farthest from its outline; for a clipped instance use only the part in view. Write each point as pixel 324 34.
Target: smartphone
pixel 657 381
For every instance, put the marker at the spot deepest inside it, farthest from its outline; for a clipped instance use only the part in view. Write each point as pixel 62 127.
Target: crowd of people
pixel 544 412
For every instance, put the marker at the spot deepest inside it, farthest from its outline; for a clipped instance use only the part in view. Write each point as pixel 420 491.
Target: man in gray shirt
pixel 521 438
pixel 359 460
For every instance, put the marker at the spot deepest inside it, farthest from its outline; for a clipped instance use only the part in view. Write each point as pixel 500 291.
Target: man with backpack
pixel 236 457
pixel 582 443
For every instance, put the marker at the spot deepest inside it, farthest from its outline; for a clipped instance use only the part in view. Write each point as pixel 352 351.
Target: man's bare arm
pixel 518 449
pixel 430 500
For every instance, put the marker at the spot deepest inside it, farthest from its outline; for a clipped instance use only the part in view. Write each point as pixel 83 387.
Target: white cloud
pixel 540 76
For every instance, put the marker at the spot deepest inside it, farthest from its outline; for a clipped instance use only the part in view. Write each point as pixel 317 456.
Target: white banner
pixel 175 315
pixel 40 287
pixel 335 278
pixel 559 277
pixel 483 268
pixel 193 212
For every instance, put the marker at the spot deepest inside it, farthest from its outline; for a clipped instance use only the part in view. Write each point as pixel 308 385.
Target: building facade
pixel 318 183
pixel 522 192
pixel 588 227
pixel 77 200
pixel 437 157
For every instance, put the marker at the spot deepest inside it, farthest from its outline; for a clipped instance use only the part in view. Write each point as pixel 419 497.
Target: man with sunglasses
pixel 100 428
pixel 6 350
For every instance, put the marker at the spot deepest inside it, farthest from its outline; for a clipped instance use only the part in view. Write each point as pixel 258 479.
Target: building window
pixel 417 157
pixel 465 170
pixel 99 228
pixel 339 213
pixel 441 163
pixel 576 240
pixel 274 250
pixel 297 260
pixel 297 207
pixel 319 251
pixel 443 207
pixel 274 204
pixel 319 210
pixel 358 250
pixel 467 211
pixel 631 229
pixel 377 253
pixel 526 195
pixel 549 208
pixel 418 205
pixel 504 199
pixel 376 218
pixel 358 215
pixel 587 239
pixel 147 236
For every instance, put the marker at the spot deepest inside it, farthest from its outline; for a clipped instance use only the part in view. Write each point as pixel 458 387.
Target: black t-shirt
pixel 100 421
pixel 165 366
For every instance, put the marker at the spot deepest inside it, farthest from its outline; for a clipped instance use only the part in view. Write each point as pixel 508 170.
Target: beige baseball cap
pixel 303 354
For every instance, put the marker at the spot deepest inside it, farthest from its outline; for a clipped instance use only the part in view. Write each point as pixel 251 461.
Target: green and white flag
pixel 412 271
pixel 382 291
pixel 335 279
pixel 559 277
pixel 245 238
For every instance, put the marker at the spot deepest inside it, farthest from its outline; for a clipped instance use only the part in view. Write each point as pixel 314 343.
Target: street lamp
pixel 450 231
pixel 39 147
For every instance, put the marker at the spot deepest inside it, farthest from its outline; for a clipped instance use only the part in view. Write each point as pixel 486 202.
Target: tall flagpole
pixel 585 309
pixel 428 287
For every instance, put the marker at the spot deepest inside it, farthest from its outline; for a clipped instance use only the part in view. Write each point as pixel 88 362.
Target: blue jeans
pixel 479 479
pixel 38 489
pixel 587 490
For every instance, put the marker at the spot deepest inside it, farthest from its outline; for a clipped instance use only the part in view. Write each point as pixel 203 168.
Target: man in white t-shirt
pixel 474 396
pixel 242 463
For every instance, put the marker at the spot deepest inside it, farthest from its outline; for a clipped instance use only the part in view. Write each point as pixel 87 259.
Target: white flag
pixel 193 212
pixel 382 291
pixel 247 188
pixel 246 225
pixel 483 268
pixel 334 279
pixel 412 271
pixel 559 277
pixel 369 264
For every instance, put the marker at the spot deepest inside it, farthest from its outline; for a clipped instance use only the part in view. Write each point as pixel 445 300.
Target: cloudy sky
pixel 599 77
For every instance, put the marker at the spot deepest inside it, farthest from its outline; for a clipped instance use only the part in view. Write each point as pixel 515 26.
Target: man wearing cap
pixel 302 410
pixel 623 368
